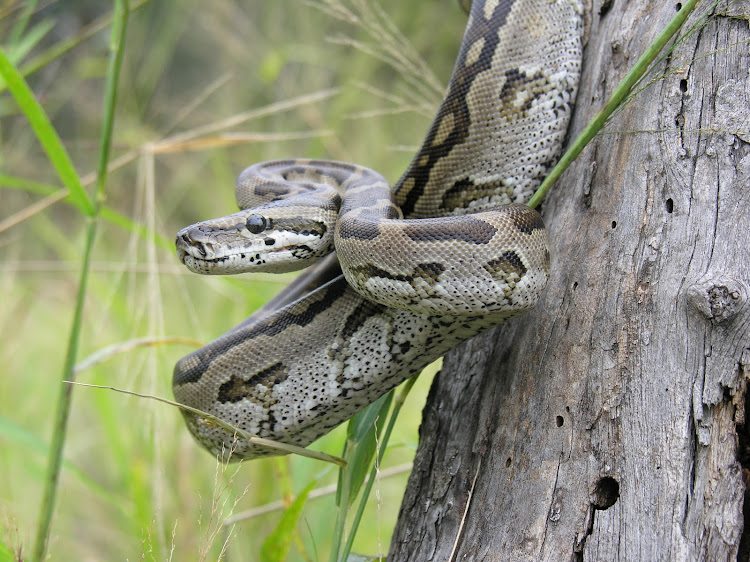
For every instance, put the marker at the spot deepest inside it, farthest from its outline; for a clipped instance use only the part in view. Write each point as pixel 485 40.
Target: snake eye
pixel 256 224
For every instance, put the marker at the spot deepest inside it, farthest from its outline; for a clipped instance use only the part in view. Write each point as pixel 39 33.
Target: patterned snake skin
pixel 467 256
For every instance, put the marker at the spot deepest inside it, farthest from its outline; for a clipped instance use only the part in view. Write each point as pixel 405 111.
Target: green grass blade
pixel 63 404
pixel 32 445
pixel 359 452
pixel 244 435
pixel 18 50
pixel 105 213
pixel 621 92
pixel 45 132
pixel 362 439
pixel 110 351
pixel 399 402
pixel 276 546
pixel 123 221
pixel 22 23
pixel 116 49
pixel 24 184
pixel 66 44
pixel 6 555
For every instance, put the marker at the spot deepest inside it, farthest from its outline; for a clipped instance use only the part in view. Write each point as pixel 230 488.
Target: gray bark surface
pixel 608 424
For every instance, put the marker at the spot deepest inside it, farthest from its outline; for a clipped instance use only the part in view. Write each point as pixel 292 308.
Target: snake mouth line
pixel 197 254
pixel 223 264
pixel 272 260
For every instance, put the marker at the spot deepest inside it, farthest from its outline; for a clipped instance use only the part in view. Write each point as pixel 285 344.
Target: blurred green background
pixel 330 79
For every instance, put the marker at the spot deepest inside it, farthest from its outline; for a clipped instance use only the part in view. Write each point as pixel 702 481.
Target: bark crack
pixel 552 503
pixel 604 495
pixel 460 531
pixel 743 457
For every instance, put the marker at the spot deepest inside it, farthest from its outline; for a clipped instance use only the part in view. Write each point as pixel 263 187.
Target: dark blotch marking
pixel 269 377
pixel 333 203
pixel 463 228
pixel 393 212
pixel 526 220
pixel 294 314
pixel 455 196
pixel 233 390
pixel 455 103
pixel 464 191
pixel 517 81
pixel 274 190
pixel 302 225
pixel 359 316
pixel 293 170
pixel 350 227
pixel 505 266
pixel 429 272
pixel 236 388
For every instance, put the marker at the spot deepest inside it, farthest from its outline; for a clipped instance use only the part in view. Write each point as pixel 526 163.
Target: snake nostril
pixel 192 241
pixel 188 235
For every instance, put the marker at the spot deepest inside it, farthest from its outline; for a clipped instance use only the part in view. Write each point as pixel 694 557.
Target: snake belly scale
pixel 449 252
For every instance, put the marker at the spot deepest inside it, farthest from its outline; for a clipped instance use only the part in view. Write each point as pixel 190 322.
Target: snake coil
pixel 446 254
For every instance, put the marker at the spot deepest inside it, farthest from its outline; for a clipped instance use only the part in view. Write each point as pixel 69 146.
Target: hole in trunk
pixel 606 492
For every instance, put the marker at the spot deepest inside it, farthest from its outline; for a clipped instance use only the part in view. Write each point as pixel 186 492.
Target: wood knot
pixel 718 299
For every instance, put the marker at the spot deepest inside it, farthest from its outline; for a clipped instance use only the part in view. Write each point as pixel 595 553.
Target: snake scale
pixel 449 252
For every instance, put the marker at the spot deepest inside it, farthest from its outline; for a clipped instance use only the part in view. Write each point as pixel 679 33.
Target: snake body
pixel 466 257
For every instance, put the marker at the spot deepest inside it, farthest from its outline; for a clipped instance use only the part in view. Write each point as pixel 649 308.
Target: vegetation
pixel 93 292
pixel 204 90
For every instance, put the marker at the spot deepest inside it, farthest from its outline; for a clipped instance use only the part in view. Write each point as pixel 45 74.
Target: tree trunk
pixel 608 424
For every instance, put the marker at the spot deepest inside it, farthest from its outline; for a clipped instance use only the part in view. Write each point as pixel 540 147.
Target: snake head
pixel 255 241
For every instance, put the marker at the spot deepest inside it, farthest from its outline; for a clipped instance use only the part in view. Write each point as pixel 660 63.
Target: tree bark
pixel 608 424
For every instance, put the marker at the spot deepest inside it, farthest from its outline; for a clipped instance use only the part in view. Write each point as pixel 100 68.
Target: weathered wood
pixel 604 425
